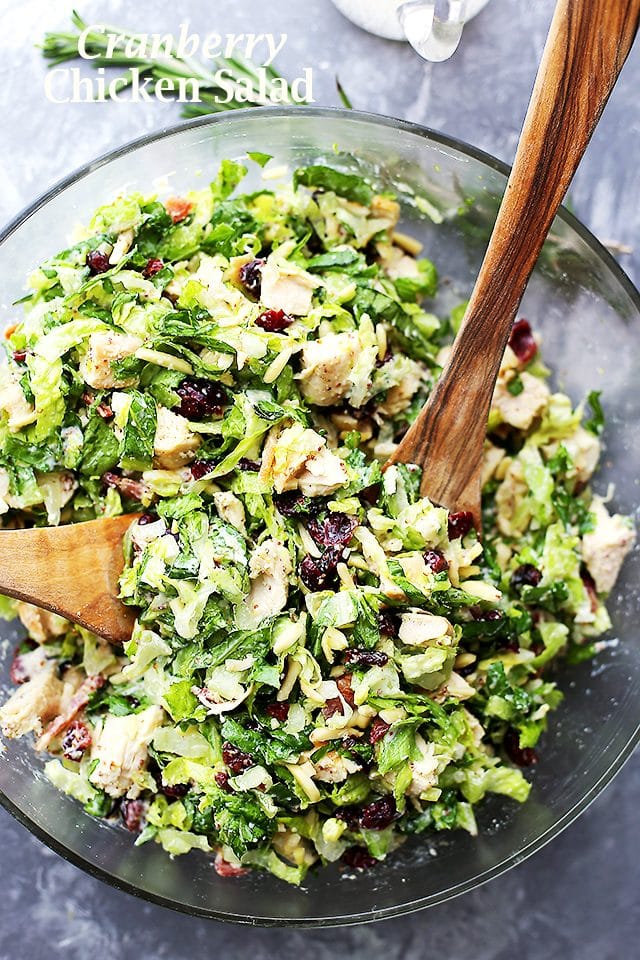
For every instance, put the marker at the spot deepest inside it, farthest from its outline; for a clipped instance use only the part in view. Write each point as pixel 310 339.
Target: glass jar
pixel 432 27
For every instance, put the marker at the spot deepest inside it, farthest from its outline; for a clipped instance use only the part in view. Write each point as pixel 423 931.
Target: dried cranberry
pixel 292 503
pixel 175 790
pixel 468 670
pixel 526 575
pixel 522 341
pixel 479 614
pixel 523 756
pixel 371 494
pixel 104 410
pixel 236 759
pixel 273 321
pixel 590 587
pixel 201 398
pixel 147 518
pixel 334 529
pixel 152 267
pixel 134 489
pixel 435 560
pixel 132 813
pixel 245 464
pixel 332 706
pixel 20 356
pixel 251 277
pixel 178 208
pixel 459 524
pixel 200 468
pixel 387 357
pixel 319 573
pixel 279 711
pixel 365 658
pixel 378 814
pixel 225 869
pixel 344 686
pixel 388 623
pixel 349 815
pixel 76 740
pixel 358 858
pixel 97 262
pixel 378 729
pixel 222 779
pixel 18 671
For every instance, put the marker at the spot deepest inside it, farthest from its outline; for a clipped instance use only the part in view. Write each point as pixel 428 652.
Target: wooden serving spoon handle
pixel 587 45
pixel 72 570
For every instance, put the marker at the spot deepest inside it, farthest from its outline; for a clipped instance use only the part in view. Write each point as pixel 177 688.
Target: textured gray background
pixel 578 897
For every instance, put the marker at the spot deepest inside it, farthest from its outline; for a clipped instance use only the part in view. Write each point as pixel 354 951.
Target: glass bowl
pixel 589 315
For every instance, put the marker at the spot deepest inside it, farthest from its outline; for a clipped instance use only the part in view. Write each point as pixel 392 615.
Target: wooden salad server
pixel 71 570
pixel 587 45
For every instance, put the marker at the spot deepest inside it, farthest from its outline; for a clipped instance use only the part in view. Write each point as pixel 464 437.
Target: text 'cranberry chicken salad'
pixel 323 662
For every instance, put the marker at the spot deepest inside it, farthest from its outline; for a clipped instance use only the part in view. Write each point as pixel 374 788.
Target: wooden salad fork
pixel 73 570
pixel 587 45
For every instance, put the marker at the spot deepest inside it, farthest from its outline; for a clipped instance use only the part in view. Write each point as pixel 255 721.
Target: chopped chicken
pixel 396 262
pixel 520 410
pixel 584 449
pixel 418 629
pixel 175 444
pixel 121 247
pixel 285 286
pixel 16 405
pixel 41 624
pixel 424 768
pixel 230 509
pixel 327 364
pixel 297 457
pixel 332 768
pixel 511 492
pixel 269 569
pixel 120 748
pixel 32 704
pixel 384 208
pixel 105 349
pixel 456 686
pixel 323 474
pixel 71 709
pixel 491 457
pixel 400 396
pixel 605 547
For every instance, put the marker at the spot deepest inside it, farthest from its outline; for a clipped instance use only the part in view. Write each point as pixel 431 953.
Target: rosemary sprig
pixel 252 89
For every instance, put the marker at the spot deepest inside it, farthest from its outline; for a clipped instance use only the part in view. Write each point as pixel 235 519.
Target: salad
pixel 323 662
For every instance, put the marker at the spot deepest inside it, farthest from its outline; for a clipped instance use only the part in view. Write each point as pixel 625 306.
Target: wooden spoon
pixel 587 45
pixel 71 570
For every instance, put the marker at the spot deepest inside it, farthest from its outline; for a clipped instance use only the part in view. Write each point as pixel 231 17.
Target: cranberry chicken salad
pixel 323 662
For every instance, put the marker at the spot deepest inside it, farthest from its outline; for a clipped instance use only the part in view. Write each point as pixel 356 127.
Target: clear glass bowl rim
pixel 608 261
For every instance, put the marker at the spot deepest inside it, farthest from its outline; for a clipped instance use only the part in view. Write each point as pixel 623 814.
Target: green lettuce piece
pixel 227 179
pixel 177 842
pixel 346 185
pixel 100 446
pixel 136 448
pixel 478 780
pixel 561 560
pixel 267 859
pixel 123 213
pixel 424 285
pixel 181 703
pixel 398 745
